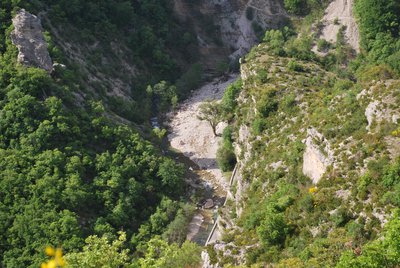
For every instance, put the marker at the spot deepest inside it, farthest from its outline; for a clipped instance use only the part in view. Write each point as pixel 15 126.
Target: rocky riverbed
pixel 195 140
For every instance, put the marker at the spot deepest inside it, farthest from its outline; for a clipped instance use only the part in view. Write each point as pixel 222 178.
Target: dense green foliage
pixel 113 37
pixel 226 158
pixel 99 252
pixel 303 7
pixel 66 173
pixel 382 252
pixel 69 174
pixel 379 23
pixel 155 30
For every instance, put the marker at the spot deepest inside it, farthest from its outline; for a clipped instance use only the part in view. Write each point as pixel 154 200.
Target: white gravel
pixel 193 137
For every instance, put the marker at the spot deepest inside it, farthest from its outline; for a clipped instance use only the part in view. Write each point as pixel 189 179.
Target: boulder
pixel 28 37
pixel 209 204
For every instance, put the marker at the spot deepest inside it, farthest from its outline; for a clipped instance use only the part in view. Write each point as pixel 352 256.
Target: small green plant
pixel 323 45
pixel 336 21
pixel 294 66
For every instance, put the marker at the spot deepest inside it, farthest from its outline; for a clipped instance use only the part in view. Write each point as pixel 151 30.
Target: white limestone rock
pixel 28 37
pixel 317 157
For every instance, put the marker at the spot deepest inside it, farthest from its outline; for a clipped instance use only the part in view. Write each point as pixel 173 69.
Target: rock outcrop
pixel 316 158
pixel 28 37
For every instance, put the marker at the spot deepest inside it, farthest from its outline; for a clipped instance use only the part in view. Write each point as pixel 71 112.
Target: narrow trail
pixel 195 140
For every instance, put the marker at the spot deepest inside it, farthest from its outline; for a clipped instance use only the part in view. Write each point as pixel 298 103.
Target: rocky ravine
pixel 195 139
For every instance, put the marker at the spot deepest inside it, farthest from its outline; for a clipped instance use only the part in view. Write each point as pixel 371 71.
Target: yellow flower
pixel 312 190
pixel 50 251
pixel 58 253
pixel 56 261
pixel 396 133
pixel 58 258
pixel 51 264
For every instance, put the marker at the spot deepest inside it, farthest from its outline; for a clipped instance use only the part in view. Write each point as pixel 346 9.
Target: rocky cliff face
pixel 28 37
pixel 230 26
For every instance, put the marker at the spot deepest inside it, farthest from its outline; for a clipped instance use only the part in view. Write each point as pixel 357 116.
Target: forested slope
pixel 67 170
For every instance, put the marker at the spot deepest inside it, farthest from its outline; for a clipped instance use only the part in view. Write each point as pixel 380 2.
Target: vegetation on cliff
pixel 341 111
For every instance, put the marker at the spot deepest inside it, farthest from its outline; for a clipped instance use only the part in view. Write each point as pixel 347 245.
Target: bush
pixel 300 48
pixel 267 105
pixel 259 124
pixel 250 13
pixel 258 30
pixel 229 102
pixel 323 45
pixel 273 229
pixel 262 76
pixel 294 66
pixel 392 175
pixel 295 6
pixel 226 158
pixel 376 72
pixel 288 103
pixel 276 42
pixel 340 217
pixel 189 80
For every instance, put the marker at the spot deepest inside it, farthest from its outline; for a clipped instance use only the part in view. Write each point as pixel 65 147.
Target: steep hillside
pixel 315 152
pixel 318 149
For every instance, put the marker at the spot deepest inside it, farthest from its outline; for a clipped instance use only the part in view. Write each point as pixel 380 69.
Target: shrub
pixel 258 126
pixel 229 102
pixel 343 84
pixel 262 76
pixel 376 72
pixel 226 158
pixel 189 80
pixel 392 175
pixel 295 6
pixel 323 45
pixel 258 30
pixel 288 103
pixel 276 41
pixel 340 217
pixel 294 66
pixel 250 13
pixel 267 105
pixel 273 229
